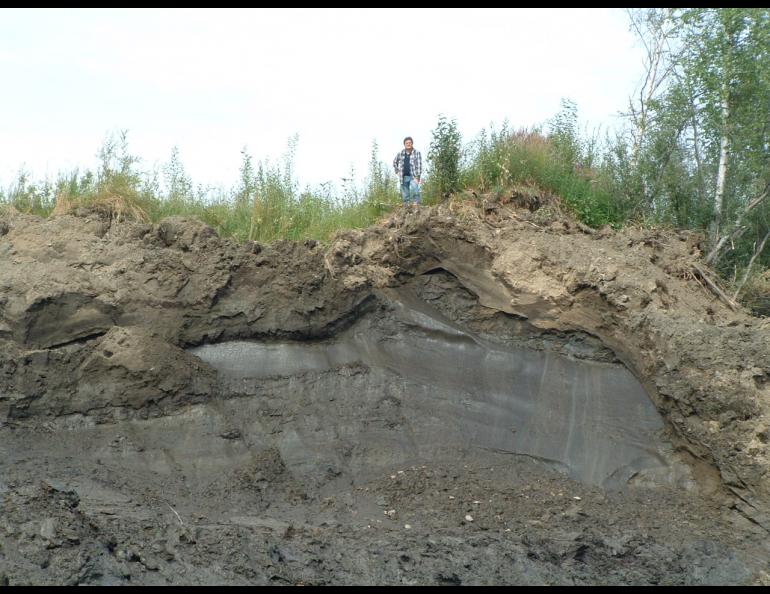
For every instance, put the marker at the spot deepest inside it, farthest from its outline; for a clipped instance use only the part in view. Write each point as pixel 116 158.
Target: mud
pixel 458 395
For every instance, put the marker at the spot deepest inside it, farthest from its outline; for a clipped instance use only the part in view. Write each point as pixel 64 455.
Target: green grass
pixel 266 203
pixel 502 160
pixel 264 206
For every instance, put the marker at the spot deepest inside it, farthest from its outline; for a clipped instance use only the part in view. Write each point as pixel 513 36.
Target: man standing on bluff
pixel 408 166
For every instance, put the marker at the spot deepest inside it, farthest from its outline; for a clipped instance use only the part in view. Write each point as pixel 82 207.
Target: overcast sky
pixel 212 82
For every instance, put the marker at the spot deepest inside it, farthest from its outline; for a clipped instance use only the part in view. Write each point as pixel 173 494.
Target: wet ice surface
pixel 592 421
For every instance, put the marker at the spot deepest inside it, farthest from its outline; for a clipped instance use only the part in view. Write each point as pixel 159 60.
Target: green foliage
pixel 699 156
pixel 29 197
pixel 381 193
pixel 500 160
pixel 444 159
pixel 179 186
pixel 564 134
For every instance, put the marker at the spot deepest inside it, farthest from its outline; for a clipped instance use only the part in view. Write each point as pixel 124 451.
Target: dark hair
pixel 408 138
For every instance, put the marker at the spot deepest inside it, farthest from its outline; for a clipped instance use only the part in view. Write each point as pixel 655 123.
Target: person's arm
pixel 395 163
pixel 418 165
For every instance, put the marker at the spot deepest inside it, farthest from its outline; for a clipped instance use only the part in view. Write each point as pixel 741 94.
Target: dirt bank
pixel 444 398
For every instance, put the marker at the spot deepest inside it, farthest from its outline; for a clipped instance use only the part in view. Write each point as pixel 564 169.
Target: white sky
pixel 212 82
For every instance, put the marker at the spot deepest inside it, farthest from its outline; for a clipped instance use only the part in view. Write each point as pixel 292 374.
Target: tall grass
pixel 265 204
pixel 499 160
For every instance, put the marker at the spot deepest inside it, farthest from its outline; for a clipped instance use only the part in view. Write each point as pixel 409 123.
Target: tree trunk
pixel 724 155
pixel 696 145
pixel 655 29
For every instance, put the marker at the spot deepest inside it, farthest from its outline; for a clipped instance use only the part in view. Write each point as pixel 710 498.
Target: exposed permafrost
pixel 461 392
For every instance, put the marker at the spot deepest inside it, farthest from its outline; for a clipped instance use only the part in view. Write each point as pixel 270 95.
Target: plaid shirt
pixel 415 162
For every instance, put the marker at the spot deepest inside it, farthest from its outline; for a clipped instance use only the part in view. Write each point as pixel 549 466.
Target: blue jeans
pixel 408 185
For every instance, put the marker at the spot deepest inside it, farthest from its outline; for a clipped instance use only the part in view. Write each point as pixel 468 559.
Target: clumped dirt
pixel 126 458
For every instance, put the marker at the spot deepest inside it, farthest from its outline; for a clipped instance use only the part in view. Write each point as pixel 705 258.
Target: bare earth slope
pixel 454 396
